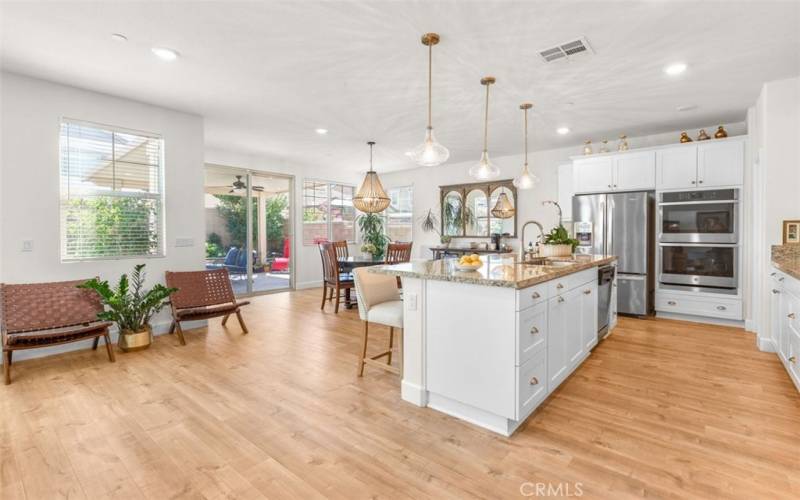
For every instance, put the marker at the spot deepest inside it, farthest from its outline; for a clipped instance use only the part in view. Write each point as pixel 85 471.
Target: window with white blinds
pixel 111 192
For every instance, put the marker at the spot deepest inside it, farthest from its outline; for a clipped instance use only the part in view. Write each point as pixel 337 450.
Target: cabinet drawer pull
pixel 700 182
pixel 534 381
pixel 781 278
pixel 535 295
pixel 534 330
pixel 792 359
pixel 775 291
pixel 694 182
pixel 561 299
pixel 559 286
pixel 587 291
pixel 609 185
pixel 773 273
pixel 672 303
pixel 721 308
pixel 790 316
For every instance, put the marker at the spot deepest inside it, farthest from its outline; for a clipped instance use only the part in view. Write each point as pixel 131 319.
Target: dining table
pixel 348 264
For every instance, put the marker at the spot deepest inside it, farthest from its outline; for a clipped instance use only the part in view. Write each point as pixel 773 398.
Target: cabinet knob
pixel 559 286
pixel 792 359
pixel 721 308
pixel 790 316
pixel 699 182
pixel 781 278
pixel 609 185
pixel 534 381
pixel 615 185
pixel 535 295
pixel 672 302
pixel 534 330
pixel 775 291
pixel 694 182
pixel 561 299
pixel 773 273
pixel 587 291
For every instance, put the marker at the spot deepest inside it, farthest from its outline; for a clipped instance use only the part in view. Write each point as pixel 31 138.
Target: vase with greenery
pixel 558 243
pixel 131 307
pixel 371 226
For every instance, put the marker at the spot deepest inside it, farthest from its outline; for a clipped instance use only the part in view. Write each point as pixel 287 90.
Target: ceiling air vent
pixel 566 50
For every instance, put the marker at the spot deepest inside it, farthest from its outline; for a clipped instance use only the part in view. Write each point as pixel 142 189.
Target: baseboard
pixel 159 328
pixel 308 284
pixel 766 344
pixel 413 393
pixel 750 325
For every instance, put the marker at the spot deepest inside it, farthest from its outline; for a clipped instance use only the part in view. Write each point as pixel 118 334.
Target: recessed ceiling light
pixel 164 53
pixel 321 131
pixel 563 130
pixel 119 37
pixel 675 68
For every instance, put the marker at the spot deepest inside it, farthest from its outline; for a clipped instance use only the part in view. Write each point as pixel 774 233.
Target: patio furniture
pixel 341 249
pixel 202 295
pixel 332 277
pixel 45 314
pixel 281 263
pixel 378 302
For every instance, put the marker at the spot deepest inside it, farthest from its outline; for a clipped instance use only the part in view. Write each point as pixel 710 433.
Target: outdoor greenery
pixel 371 226
pixel 560 236
pixel 214 246
pixel 107 226
pixel 234 210
pixel 128 305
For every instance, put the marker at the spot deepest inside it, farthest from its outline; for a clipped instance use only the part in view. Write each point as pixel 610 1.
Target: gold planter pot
pixel 135 341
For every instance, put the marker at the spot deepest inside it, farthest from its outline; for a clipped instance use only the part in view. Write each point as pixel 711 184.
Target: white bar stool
pixel 379 302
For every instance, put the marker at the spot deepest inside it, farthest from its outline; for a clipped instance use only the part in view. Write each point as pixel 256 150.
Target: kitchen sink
pixel 544 261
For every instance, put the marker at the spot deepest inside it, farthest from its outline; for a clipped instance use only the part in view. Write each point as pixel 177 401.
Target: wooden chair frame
pixel 331 277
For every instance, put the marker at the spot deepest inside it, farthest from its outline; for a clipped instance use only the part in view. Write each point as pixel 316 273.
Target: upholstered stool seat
pixel 378 303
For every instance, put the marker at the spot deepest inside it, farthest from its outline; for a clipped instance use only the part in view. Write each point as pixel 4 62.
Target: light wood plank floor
pixel 662 409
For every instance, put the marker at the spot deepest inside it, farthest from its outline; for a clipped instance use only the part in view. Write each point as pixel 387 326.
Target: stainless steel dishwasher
pixel 605 278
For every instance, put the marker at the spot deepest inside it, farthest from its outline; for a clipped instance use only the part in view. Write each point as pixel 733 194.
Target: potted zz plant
pixel 557 243
pixel 131 307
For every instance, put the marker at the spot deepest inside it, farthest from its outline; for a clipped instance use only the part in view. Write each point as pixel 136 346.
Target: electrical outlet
pixel 184 242
pixel 27 246
pixel 411 301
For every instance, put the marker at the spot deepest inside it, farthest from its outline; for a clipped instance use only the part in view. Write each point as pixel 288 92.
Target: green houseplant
pixel 372 235
pixel 558 243
pixel 430 224
pixel 131 307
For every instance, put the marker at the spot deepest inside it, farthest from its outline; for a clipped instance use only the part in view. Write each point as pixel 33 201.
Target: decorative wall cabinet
pixel 706 165
pixel 634 171
pixel 467 209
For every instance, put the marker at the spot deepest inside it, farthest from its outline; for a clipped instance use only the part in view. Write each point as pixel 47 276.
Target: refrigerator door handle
pixel 610 226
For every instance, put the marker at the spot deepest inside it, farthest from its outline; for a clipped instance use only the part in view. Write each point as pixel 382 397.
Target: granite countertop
pixel 787 259
pixel 501 270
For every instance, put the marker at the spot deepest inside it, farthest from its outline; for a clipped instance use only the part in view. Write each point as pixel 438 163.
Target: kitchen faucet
pixel 552 202
pixel 522 238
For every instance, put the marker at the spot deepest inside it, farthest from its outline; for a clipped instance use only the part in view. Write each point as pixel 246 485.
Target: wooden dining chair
pixel 398 252
pixel 342 252
pixel 379 303
pixel 332 277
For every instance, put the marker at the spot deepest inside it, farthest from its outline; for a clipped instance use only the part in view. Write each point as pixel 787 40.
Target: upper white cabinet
pixel 707 164
pixel 720 164
pixel 593 175
pixel 676 168
pixel 625 172
pixel 634 171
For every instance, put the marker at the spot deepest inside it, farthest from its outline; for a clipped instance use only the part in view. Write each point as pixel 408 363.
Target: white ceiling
pixel 266 74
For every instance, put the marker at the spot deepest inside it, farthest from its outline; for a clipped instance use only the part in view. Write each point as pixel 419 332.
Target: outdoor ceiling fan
pixel 240 184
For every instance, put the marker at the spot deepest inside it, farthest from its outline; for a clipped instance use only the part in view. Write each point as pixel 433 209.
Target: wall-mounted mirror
pixel 467 209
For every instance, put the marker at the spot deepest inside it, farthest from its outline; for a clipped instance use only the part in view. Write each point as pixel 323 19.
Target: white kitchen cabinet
pixel 573 333
pixel 785 321
pixel 676 167
pixel 720 164
pixel 593 175
pixel 589 319
pixel 557 360
pixel 634 171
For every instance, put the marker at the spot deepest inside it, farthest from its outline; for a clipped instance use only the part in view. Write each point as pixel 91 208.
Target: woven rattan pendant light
pixel 371 197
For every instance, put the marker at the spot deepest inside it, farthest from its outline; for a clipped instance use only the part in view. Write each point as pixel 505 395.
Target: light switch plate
pixel 184 242
pixel 27 246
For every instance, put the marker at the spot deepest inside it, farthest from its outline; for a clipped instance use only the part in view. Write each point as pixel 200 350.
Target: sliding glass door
pixel 249 228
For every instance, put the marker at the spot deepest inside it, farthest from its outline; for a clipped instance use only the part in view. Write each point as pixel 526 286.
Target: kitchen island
pixel 488 346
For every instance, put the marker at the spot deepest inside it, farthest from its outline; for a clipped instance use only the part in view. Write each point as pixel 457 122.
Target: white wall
pixel 29 194
pixel 426 182
pixel 775 125
pixel 308 265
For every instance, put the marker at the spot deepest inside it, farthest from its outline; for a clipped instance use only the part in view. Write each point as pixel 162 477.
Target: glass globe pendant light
pixel 371 197
pixel 430 153
pixel 485 169
pixel 525 180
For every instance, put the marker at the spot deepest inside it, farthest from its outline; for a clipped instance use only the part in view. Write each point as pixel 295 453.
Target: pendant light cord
pixel 526 137
pixel 430 80
pixel 486 122
pixel 371 144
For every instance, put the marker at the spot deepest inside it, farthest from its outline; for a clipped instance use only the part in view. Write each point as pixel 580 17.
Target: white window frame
pixel 385 213
pixel 160 196
pixel 328 219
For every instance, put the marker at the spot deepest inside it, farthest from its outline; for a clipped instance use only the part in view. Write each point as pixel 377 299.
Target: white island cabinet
pixel 785 308
pixel 489 346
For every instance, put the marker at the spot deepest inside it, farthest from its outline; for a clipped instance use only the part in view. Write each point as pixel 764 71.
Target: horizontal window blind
pixel 111 193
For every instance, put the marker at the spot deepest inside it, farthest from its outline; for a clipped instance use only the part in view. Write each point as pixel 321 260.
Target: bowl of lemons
pixel 469 262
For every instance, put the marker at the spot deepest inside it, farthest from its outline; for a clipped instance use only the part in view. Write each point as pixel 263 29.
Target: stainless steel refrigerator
pixel 621 224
